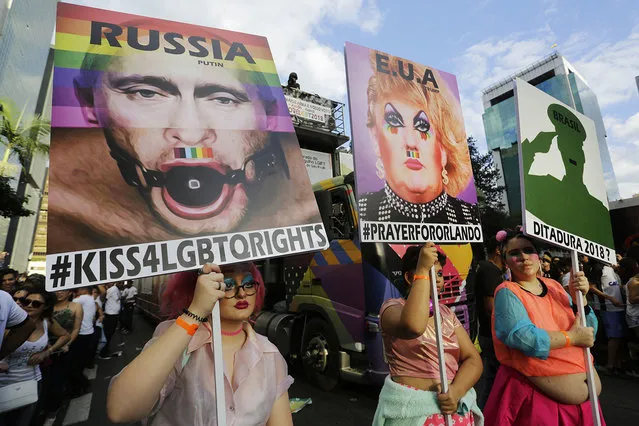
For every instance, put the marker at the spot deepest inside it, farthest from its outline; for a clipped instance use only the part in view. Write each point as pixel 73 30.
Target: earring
pixel 381 173
pixel 445 176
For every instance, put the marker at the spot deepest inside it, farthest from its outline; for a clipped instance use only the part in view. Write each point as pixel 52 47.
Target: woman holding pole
pixel 172 381
pixel 538 340
pixel 412 393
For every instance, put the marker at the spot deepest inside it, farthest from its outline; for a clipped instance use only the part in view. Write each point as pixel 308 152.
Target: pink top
pixel 418 357
pixel 188 396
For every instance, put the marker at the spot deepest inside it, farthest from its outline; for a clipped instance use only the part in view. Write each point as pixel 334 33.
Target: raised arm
pixel 410 321
pixel 136 390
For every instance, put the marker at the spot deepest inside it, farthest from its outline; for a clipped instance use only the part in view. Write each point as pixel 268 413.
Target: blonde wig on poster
pixel 441 108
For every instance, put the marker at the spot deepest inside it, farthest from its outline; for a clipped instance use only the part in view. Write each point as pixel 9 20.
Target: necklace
pixel 232 333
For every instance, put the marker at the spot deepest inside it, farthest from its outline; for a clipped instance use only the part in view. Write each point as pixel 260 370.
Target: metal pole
pixel 440 342
pixel 218 360
pixel 590 372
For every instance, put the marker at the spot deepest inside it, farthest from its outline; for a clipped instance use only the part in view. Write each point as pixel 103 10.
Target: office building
pixel 557 77
pixel 26 63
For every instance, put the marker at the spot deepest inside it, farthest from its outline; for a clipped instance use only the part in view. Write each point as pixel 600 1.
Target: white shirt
pixel 112 304
pixel 610 284
pixel 10 313
pixel 565 280
pixel 130 293
pixel 89 308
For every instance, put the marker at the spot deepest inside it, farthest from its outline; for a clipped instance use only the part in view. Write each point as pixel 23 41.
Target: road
pixel 349 405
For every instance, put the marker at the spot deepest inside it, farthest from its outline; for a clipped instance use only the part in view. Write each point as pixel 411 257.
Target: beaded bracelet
pixel 194 316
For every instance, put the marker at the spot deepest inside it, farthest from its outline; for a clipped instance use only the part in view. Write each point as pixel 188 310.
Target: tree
pixel 491 208
pixel 11 204
pixel 486 175
pixel 22 138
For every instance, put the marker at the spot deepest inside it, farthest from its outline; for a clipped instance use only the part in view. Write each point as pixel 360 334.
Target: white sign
pixel 308 110
pixel 563 190
pixel 318 164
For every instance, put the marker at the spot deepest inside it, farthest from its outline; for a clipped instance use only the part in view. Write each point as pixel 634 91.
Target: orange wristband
pixel 421 277
pixel 567 339
pixel 190 328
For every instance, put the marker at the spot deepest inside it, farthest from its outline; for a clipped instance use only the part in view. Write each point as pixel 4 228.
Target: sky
pixel 480 41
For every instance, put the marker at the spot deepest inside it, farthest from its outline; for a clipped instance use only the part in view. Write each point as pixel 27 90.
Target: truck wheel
pixel 320 354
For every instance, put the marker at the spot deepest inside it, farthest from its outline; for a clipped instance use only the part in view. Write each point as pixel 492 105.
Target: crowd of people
pixel 48 339
pixel 531 369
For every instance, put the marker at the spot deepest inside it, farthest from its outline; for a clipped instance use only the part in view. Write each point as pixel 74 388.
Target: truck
pixel 322 309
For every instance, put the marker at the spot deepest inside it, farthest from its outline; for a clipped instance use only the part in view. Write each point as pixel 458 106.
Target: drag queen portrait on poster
pixel 410 142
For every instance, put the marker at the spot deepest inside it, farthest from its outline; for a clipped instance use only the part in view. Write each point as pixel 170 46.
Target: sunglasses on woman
pixel 519 252
pixel 29 302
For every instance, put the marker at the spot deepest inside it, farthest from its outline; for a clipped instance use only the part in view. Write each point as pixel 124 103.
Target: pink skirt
pixel 514 400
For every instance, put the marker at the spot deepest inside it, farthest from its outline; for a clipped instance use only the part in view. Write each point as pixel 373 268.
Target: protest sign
pixel 172 145
pixel 413 173
pixel 563 190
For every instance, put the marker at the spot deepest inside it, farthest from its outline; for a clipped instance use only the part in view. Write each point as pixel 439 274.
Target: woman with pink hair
pixel 172 381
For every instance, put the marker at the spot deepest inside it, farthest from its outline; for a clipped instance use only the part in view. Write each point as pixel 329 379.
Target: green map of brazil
pixel 565 203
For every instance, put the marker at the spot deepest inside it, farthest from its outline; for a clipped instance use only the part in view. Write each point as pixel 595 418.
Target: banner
pixel 308 110
pixel 411 156
pixel 172 146
pixel 563 191
pixel 318 164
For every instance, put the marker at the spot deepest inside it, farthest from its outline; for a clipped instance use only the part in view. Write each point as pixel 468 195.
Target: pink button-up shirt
pixel 260 377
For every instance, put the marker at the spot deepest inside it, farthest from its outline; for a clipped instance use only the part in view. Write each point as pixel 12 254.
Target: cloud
pixel 490 61
pixel 624 158
pixel 626 131
pixel 609 67
pixel 292 28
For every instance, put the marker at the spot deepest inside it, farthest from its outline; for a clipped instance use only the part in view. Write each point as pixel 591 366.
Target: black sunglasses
pixel 29 302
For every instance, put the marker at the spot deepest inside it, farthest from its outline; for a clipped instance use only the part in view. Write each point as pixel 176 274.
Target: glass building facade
pixel 26 29
pixel 500 126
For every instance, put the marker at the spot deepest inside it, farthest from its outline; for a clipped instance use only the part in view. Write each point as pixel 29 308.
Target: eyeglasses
pixel 232 290
pixel 545 261
pixel 518 253
pixel 29 302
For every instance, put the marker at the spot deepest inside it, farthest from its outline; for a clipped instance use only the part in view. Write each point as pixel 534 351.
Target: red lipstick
pixel 242 304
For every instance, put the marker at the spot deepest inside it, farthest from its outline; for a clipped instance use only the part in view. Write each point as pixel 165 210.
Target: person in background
pixel 23 363
pixel 15 325
pixel 614 318
pixel 128 295
pixel 82 350
pixel 172 381
pixel 538 340
pixel 632 302
pixel 412 393
pixel 489 275
pixel 99 330
pixel 9 279
pixel 546 262
pixel 112 308
pixel 69 315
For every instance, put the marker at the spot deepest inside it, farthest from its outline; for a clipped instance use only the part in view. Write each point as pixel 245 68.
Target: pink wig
pixel 181 286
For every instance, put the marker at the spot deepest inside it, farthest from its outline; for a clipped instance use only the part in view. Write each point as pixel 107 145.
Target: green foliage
pixel 493 214
pixel 10 203
pixel 22 137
